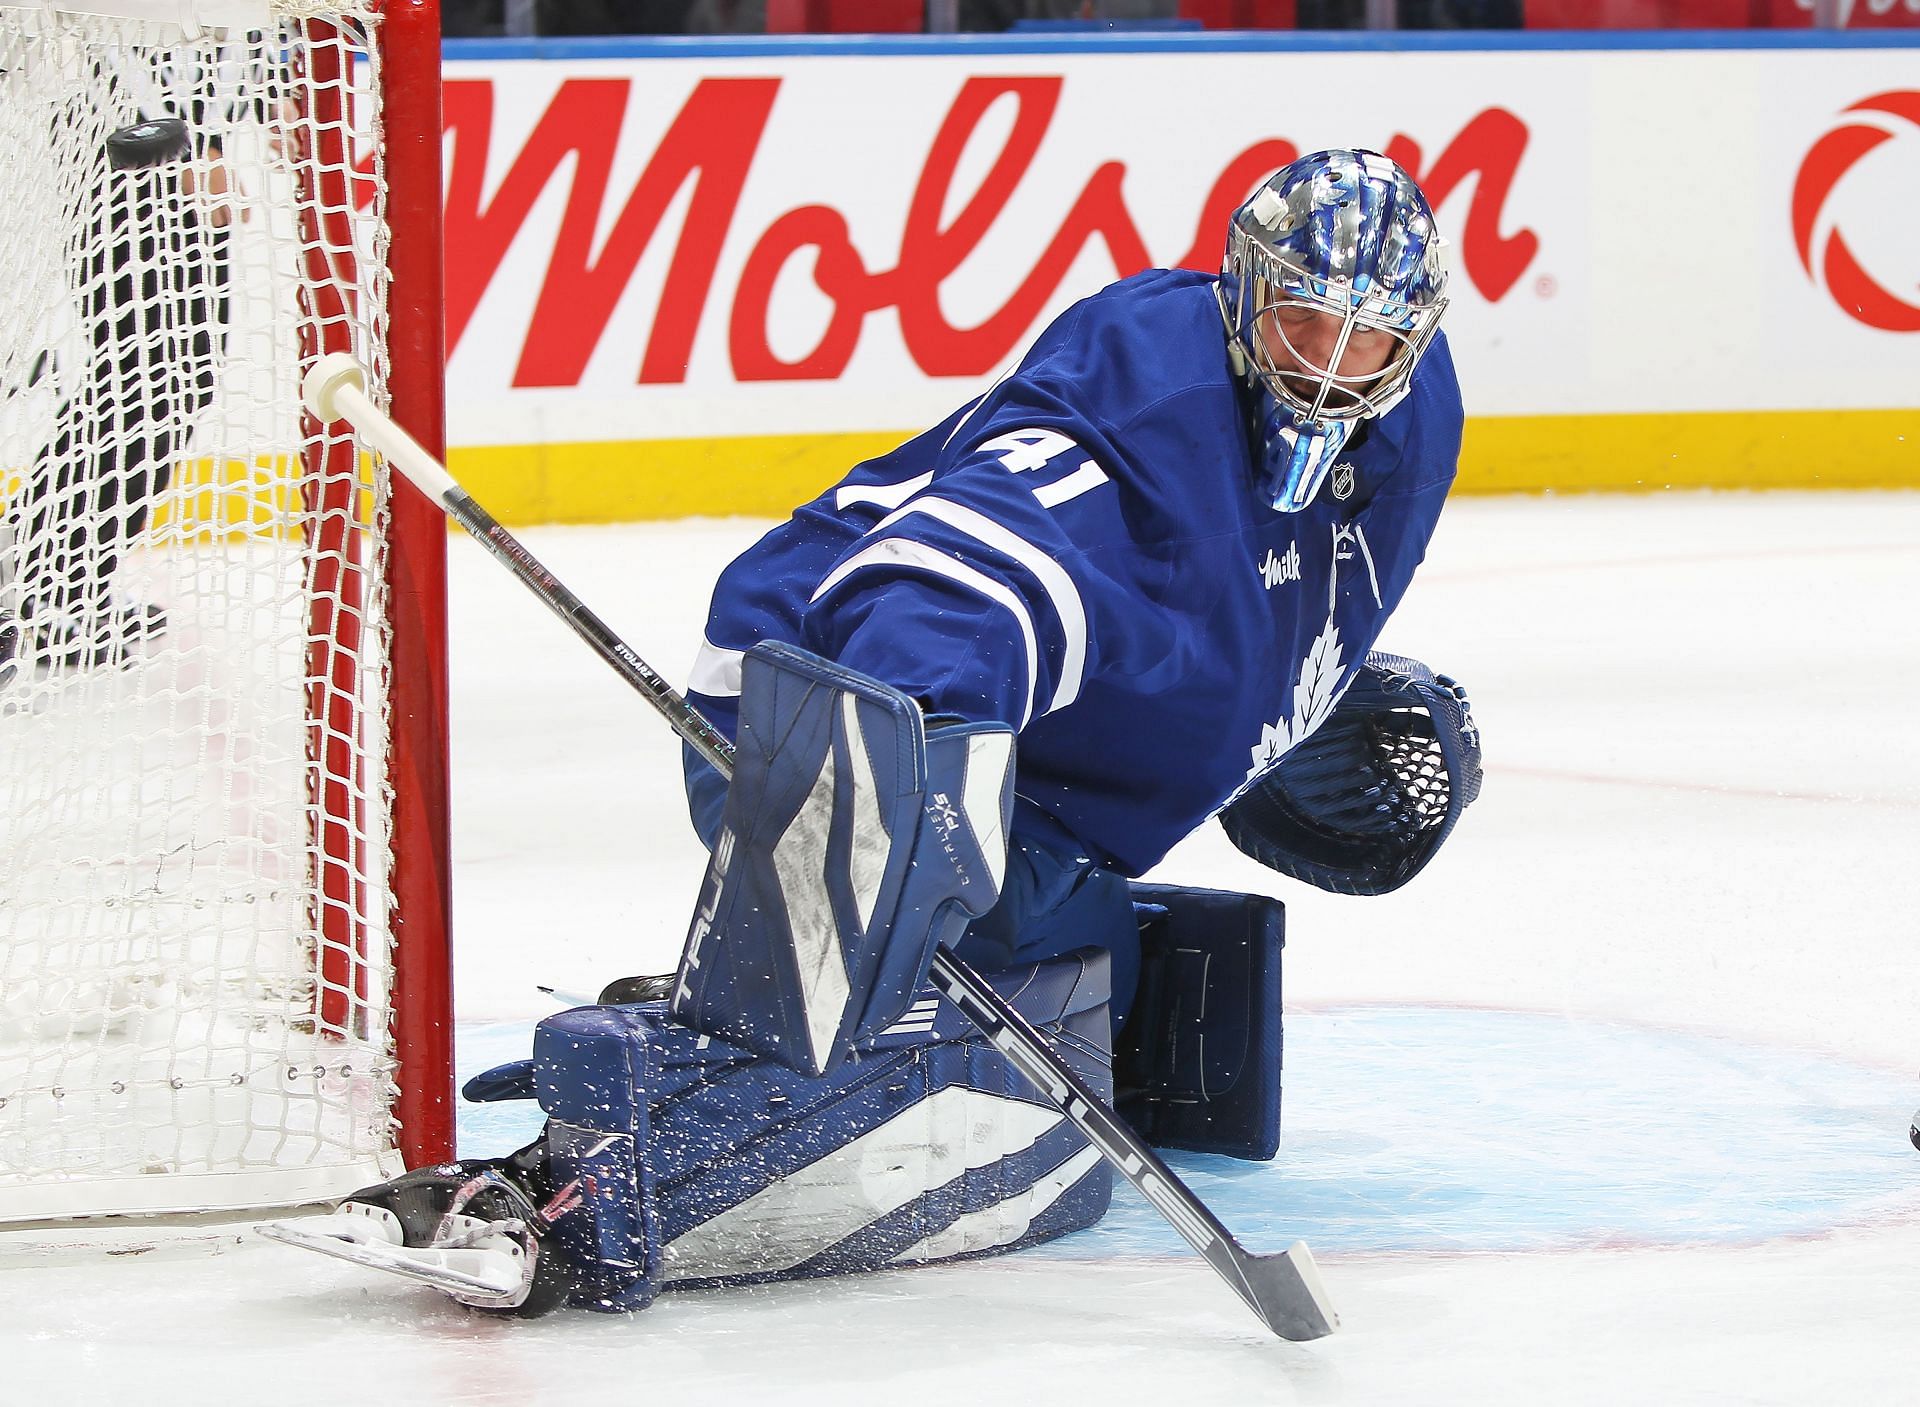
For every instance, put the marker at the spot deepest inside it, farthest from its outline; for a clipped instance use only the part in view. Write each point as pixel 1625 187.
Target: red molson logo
pixel 712 142
pixel 1857 292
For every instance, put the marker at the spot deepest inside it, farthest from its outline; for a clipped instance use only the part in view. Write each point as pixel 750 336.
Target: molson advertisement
pixel 709 284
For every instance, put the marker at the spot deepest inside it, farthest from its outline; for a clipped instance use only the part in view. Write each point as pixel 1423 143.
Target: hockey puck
pixel 153 142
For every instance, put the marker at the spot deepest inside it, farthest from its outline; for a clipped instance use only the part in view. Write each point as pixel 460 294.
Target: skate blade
pixel 492 1276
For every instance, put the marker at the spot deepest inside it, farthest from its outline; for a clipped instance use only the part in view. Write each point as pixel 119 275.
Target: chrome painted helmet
pixel 1337 244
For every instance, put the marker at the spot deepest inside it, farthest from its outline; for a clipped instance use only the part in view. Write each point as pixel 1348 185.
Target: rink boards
pixel 707 277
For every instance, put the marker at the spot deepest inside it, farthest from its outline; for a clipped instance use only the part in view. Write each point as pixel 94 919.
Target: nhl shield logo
pixel 1343 482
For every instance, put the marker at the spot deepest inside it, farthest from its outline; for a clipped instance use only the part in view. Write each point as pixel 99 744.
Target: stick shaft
pixel 426 473
pixel 1284 1290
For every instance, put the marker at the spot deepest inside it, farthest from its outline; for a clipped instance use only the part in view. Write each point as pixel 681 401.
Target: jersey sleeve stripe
pixel 882 495
pixel 716 672
pixel 898 552
pixel 1061 592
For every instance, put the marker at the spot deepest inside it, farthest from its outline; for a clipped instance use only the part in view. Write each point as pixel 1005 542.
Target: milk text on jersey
pixel 1277 571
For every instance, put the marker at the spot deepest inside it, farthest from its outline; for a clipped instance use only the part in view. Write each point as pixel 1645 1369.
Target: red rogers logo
pixel 1857 292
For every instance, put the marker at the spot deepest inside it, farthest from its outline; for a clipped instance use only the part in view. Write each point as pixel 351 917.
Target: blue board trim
pixel 1174 42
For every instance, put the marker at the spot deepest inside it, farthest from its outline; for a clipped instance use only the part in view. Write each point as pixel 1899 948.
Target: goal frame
pixel 403 930
pixel 417 565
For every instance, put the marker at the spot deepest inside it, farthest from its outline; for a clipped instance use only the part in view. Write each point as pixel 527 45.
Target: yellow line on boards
pixel 765 476
pixel 1843 449
pixel 756 476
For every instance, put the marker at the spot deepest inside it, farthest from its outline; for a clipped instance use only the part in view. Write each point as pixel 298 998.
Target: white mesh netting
pixel 194 933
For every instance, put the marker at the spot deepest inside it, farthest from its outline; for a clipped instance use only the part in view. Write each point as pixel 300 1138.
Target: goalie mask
pixel 1331 290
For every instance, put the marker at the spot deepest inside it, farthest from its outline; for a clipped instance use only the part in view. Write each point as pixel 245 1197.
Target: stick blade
pixel 1287 1292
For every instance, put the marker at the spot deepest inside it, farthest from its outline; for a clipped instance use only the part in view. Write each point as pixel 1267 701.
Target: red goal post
pixel 224 958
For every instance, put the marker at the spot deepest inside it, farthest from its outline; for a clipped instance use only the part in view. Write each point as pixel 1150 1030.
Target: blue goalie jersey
pixel 1081 553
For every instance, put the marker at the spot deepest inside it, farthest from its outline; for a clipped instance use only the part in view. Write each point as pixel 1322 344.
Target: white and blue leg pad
pixel 703 1164
pixel 853 840
pixel 1197 1064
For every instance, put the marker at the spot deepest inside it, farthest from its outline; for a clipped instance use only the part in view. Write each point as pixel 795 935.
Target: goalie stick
pixel 1283 1288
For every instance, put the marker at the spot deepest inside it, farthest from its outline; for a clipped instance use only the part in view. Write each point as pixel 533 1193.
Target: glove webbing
pixel 1402 787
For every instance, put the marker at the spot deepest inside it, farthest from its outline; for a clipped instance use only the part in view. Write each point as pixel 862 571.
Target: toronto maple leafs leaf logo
pixel 1314 695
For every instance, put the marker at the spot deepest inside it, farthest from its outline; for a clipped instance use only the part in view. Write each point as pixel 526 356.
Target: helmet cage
pixel 1261 284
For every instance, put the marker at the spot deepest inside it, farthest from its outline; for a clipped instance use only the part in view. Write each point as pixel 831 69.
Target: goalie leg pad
pixel 703 1164
pixel 1198 1062
pixel 851 843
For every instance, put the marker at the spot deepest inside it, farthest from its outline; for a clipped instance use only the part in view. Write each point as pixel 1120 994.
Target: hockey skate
pixel 478 1231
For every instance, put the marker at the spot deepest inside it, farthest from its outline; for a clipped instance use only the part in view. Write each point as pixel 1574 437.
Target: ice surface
pixel 1609 1105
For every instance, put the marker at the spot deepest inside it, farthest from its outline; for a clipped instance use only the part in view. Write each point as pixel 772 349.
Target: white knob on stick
pixel 336 389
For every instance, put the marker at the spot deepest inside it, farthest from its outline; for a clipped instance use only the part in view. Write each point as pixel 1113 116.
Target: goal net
pixel 198 649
